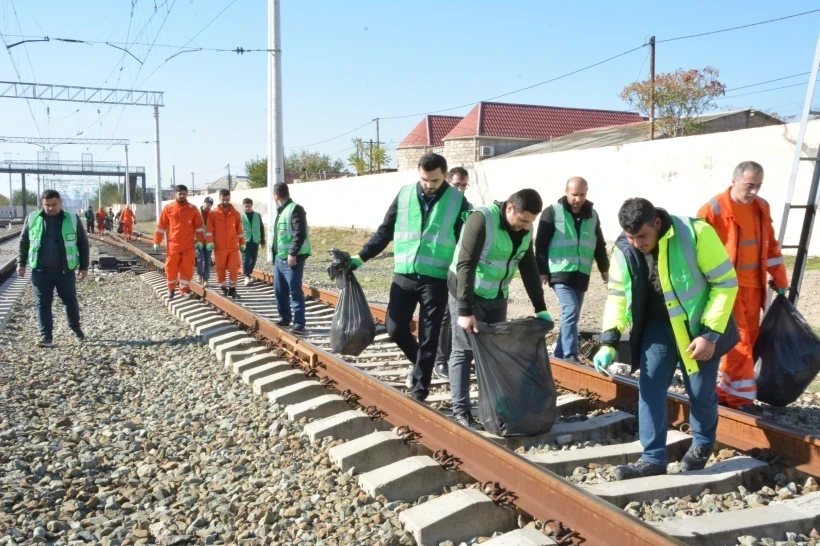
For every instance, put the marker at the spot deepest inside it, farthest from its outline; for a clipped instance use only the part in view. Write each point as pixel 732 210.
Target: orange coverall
pixel 127 219
pixel 224 230
pixel 748 235
pixel 181 225
pixel 101 216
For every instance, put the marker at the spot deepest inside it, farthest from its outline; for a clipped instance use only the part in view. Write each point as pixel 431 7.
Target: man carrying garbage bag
pixel 496 240
pixel 671 281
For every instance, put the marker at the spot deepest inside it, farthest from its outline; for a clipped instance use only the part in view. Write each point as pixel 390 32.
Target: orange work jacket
pixel 101 216
pixel 224 228
pixel 181 225
pixel 127 216
pixel 719 214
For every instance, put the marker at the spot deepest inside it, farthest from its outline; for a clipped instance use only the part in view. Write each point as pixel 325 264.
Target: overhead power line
pixel 737 28
pixel 329 139
pixel 762 91
pixel 768 81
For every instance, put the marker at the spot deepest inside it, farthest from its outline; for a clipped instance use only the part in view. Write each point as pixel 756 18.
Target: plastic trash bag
pixel 352 329
pixel 787 354
pixel 120 228
pixel 516 392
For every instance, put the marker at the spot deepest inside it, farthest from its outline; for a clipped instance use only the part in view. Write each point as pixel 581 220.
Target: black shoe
pixel 171 294
pixel 298 330
pixel 573 359
pixel 282 323
pixel 638 469
pixel 79 334
pixel 441 371
pixel 695 459
pixel 232 292
pixel 45 341
pixel 224 291
pixel 465 419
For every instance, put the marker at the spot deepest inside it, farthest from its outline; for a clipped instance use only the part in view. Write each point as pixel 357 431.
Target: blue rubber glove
pixel 242 248
pixel 781 291
pixel 544 315
pixel 199 245
pixel 356 263
pixel 156 248
pixel 209 247
pixel 604 358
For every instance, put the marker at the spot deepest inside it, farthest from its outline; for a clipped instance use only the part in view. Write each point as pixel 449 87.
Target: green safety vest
pixel 425 249
pixel 698 280
pixel 497 263
pixel 284 233
pixel 253 230
pixel 570 251
pixel 36 226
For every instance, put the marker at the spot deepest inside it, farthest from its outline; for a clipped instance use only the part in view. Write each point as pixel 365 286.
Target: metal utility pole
pixel 370 171
pixel 127 181
pixel 652 88
pixel 23 178
pixel 192 183
pixel 378 143
pixel 229 177
pixel 173 175
pixel 158 181
pixel 38 191
pixel 99 191
pixel 276 150
pixel 11 201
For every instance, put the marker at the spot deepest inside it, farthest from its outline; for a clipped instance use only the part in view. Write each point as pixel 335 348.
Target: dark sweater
pixel 51 256
pixel 546 230
pixel 461 284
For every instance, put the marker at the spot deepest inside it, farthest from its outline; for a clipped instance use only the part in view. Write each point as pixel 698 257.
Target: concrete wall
pixel 679 174
pixel 740 120
pixel 146 212
pixel 462 151
pixel 6 212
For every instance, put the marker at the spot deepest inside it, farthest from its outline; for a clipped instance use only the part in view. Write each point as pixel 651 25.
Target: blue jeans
pixel 43 284
pixel 287 284
pixel 659 358
pixel 203 263
pixel 249 258
pixel 571 301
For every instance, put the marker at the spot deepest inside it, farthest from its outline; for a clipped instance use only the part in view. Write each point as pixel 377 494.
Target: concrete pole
pixel 127 181
pixel 23 193
pixel 276 150
pixel 158 181
pixel 652 88
pixel 13 209
pixel 173 175
pixel 99 192
pixel 192 183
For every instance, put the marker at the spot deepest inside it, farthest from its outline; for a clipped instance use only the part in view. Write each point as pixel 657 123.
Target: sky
pixel 346 63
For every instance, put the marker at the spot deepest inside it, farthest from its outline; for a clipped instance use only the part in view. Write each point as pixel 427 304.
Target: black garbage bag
pixel 120 228
pixel 353 328
pixel 787 354
pixel 516 392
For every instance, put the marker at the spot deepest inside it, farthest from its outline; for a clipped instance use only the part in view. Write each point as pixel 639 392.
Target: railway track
pixel 10 285
pixel 407 451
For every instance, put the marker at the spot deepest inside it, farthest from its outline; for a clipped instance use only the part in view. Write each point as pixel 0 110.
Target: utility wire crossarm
pixel 91 95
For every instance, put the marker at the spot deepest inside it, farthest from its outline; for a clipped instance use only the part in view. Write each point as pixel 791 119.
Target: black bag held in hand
pixel 120 228
pixel 787 354
pixel 516 392
pixel 352 329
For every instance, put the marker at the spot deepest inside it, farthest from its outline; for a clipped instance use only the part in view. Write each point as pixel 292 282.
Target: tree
pixel 680 97
pixel 4 201
pixel 312 165
pixel 367 159
pixel 257 171
pixel 17 198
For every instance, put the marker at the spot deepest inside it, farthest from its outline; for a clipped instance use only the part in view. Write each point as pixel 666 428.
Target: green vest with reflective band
pixel 497 264
pixel 570 251
pixel 36 229
pixel 285 233
pixel 698 281
pixel 252 229
pixel 425 249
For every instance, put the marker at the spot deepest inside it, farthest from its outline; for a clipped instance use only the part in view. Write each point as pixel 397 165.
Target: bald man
pixel 569 237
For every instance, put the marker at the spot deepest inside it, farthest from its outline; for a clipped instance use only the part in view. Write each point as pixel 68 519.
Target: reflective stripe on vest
pixel 496 265
pixel 570 251
pixel 252 229
pixel 285 233
pixel 36 228
pixel 425 249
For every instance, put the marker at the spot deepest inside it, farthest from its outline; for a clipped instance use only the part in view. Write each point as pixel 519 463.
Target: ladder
pixel 810 208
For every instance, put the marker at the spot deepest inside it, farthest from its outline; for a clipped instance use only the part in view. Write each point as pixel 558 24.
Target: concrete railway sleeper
pixel 386 464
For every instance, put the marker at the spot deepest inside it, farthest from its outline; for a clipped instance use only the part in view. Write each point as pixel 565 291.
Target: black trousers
pixel 431 297
pixel 43 284
pixel 445 340
pixel 89 226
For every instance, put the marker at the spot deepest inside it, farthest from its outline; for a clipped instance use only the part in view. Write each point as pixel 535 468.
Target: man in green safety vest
pixel 55 246
pixel 291 247
pixel 495 243
pixel 254 237
pixel 569 238
pixel 424 222
pixel 673 284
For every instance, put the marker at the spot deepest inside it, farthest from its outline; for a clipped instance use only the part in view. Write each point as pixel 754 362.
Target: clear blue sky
pixel 346 63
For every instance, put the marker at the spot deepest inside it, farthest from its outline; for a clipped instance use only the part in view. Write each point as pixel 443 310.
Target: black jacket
pixel 384 234
pixel 472 242
pixel 546 229
pixel 300 228
pixel 51 256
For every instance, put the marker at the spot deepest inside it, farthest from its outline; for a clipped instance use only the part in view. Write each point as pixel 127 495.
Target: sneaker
pixel 695 459
pixel 45 341
pixel 441 371
pixel 282 323
pixel 298 330
pixel 199 279
pixel 248 281
pixel 171 294
pixel 232 293
pixel 409 381
pixel 638 469
pixel 79 334
pixel 224 291
pixel 204 284
pixel 466 420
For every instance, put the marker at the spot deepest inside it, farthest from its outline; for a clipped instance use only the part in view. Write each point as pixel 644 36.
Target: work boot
pixel 638 469
pixel 695 459
pixel 298 330
pixel 224 290
pixel 171 294
pixel 441 371
pixel 78 334
pixel 282 323
pixel 45 341
pixel 465 419
pixel 232 292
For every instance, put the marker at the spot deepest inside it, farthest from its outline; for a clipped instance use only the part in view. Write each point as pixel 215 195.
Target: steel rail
pixel 11 265
pixel 538 492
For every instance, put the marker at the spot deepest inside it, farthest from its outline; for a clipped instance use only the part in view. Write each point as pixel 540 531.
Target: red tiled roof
pixel 501 120
pixel 430 131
